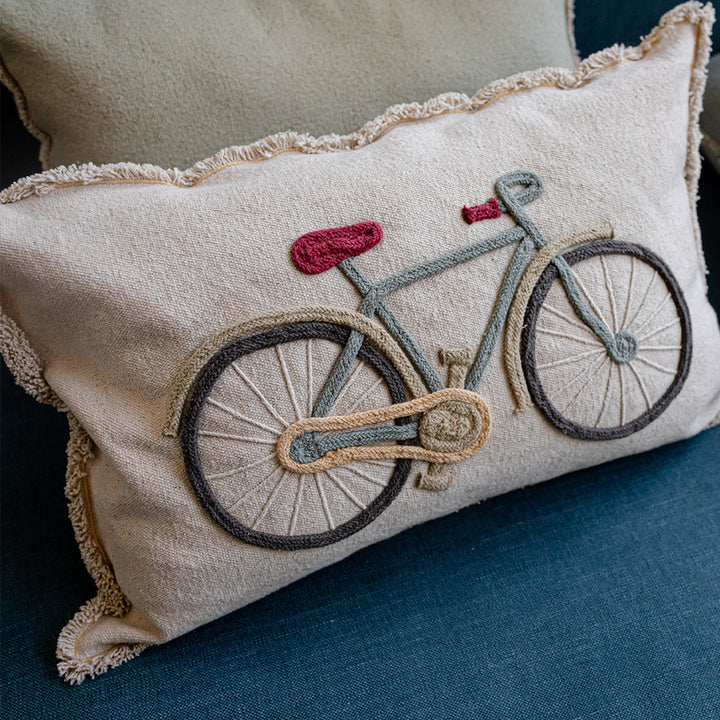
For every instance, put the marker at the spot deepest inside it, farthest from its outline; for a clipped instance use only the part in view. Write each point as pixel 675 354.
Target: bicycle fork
pixel 621 345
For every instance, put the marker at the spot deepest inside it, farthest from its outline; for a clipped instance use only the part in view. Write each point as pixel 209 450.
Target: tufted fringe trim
pixel 24 364
pixel 705 18
pixel 46 142
pixel 74 669
pixel 80 453
pixel 692 12
pixel 110 600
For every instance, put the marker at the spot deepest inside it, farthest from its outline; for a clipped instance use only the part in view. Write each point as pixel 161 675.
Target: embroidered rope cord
pixel 516 314
pixel 226 515
pixel 438 476
pixel 318 251
pixel 486 211
pixel 529 238
pixel 373 331
pixel 453 423
pixel 529 339
pixel 343 456
pixel 457 361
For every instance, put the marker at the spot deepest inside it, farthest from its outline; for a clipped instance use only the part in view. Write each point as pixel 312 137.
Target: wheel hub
pixel 625 348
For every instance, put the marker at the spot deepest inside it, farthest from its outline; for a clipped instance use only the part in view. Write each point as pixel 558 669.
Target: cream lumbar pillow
pixel 171 82
pixel 303 346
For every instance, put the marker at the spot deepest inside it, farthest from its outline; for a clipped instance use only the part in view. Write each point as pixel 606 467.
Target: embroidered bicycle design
pixel 299 427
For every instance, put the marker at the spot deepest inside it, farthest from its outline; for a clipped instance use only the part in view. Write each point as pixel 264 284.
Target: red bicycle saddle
pixel 320 250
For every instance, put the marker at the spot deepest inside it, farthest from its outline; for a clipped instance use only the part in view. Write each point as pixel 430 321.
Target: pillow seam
pixel 45 156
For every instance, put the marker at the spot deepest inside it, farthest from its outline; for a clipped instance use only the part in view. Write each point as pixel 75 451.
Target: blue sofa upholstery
pixel 595 595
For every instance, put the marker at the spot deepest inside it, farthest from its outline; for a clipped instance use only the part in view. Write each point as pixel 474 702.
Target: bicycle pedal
pixel 454 425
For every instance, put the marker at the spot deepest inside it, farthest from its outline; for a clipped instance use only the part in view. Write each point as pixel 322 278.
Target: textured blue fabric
pixel 601 24
pixel 591 597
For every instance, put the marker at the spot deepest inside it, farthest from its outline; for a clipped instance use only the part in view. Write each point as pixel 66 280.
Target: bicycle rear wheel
pixel 570 375
pixel 242 400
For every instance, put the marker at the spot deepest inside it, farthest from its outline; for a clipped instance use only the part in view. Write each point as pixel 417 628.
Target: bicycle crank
pixel 454 424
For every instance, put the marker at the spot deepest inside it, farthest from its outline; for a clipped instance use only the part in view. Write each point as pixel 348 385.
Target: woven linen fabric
pixel 138 271
pixel 170 82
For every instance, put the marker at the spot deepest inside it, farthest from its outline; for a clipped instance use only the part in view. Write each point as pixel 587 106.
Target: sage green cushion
pixel 170 81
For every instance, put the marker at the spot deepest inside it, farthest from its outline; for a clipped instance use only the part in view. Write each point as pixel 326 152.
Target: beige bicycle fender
pixel 516 314
pixel 376 335
pixel 335 458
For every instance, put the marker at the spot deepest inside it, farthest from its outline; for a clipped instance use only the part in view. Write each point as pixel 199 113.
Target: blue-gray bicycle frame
pixel 529 239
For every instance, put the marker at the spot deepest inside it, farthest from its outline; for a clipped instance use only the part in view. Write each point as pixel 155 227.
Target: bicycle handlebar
pixel 509 199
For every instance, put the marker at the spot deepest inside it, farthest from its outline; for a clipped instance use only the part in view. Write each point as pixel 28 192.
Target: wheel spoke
pixel 653 314
pixel 235 471
pixel 631 283
pixel 585 341
pixel 347 384
pixel 655 365
pixel 288 383
pixel 260 396
pixel 296 506
pixel 605 396
pixel 240 438
pixel 346 490
pixel 666 326
pixel 592 304
pixel 642 302
pixel 564 316
pixel 611 293
pixel 622 395
pixel 252 488
pixel 660 347
pixel 363 475
pixel 574 358
pixel 240 416
pixel 368 392
pixel 588 380
pixel 269 502
pixel 324 502
pixel 641 383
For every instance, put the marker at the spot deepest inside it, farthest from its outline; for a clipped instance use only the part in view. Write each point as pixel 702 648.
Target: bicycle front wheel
pixel 243 399
pixel 571 377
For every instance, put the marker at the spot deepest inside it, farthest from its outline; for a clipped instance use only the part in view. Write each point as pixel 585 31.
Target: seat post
pixel 365 287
